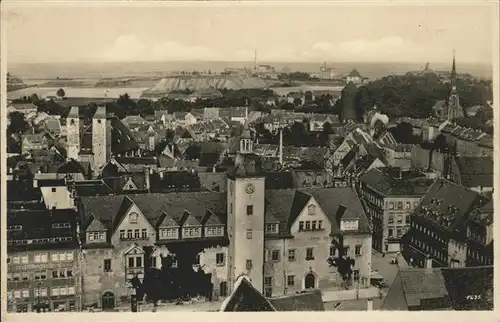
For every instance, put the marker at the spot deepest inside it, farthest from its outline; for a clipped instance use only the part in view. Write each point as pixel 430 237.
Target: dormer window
pixel 133 218
pixel 349 225
pixel 272 228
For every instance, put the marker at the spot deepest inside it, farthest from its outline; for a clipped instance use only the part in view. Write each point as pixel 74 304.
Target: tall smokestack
pixel 281 147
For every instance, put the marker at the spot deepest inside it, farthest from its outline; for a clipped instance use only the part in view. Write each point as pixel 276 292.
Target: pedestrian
pixel 383 254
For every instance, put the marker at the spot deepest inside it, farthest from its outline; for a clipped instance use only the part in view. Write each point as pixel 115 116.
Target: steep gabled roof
pixel 211 219
pixel 95 225
pixel 189 220
pixel 245 298
pixel 306 301
pixel 166 220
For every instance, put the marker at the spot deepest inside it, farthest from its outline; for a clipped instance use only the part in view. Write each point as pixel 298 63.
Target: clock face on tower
pixel 250 188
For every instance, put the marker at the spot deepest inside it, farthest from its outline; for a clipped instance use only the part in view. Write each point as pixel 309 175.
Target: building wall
pixel 457 253
pixel 397 212
pixel 73 134
pixel 96 281
pixel 340 153
pixel 241 248
pixel 101 142
pixel 57 197
pixel 27 281
pixel 208 260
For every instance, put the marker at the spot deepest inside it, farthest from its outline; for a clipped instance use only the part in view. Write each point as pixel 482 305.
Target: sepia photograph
pixel 236 157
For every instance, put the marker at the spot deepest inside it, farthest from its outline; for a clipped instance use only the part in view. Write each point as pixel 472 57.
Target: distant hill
pixel 175 83
pixel 14 83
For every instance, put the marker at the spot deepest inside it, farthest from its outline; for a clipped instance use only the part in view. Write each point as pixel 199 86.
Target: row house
pixel 43 261
pixel 440 216
pixel 390 199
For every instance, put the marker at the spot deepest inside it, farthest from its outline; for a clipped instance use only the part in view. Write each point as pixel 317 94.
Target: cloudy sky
pixel 288 33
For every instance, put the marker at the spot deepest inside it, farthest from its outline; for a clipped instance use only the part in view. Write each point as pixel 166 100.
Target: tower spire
pixel 453 71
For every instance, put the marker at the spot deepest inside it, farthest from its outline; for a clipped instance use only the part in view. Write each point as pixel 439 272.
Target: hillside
pixel 201 82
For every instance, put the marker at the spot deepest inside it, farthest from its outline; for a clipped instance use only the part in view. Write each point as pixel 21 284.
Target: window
pixel 268 280
pixel 62 257
pixel 346 250
pixel 271 228
pixel 54 189
pixel 71 290
pixel 391 219
pixel 122 234
pixel 357 250
pixel 249 234
pixel 391 232
pixel 355 274
pixel 391 205
pixel 24 259
pixel 231 208
pixel 16 260
pixel 291 255
pixel 320 224
pixel 107 265
pixel 309 254
pixel 69 256
pixel 131 262
pixel 62 291
pixel 37 258
pixel 399 219
pixel 223 288
pixel 144 233
pixel 55 291
pixel 290 280
pixel 219 259
pixel 25 276
pixel 399 232
pixel 138 262
pixel 301 226
pixel 17 294
pixel 133 218
pixel 407 219
pixel 308 225
pixel 408 205
pixel 136 233
pixel 313 225
pixel 130 234
pixel 250 210
pixel 275 255
pixel 249 264
pixel 26 293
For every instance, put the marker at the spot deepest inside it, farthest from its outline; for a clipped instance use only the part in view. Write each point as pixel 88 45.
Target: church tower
pixel 73 133
pixel 101 138
pixel 453 109
pixel 245 215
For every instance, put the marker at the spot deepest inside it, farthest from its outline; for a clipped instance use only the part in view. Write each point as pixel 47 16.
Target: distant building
pixel 354 77
pixel 450 108
pixel 445 208
pixel 390 196
pixel 23 108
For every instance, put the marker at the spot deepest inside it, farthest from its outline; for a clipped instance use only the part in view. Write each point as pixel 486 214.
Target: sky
pixel 278 32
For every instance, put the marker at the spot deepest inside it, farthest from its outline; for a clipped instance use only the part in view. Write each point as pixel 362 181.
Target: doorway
pixel 108 301
pixel 310 281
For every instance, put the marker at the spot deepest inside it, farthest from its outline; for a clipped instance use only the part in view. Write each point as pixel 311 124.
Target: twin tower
pixel 89 142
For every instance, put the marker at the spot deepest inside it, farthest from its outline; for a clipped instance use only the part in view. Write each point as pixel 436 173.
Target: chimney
pixel 369 305
pixel 147 182
pixel 281 147
pixel 340 213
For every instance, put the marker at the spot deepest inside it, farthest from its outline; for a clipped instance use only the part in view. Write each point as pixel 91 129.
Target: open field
pixel 79 92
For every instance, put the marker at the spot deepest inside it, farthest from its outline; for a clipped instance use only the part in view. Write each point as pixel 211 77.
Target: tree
pixel 60 93
pixel 18 123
